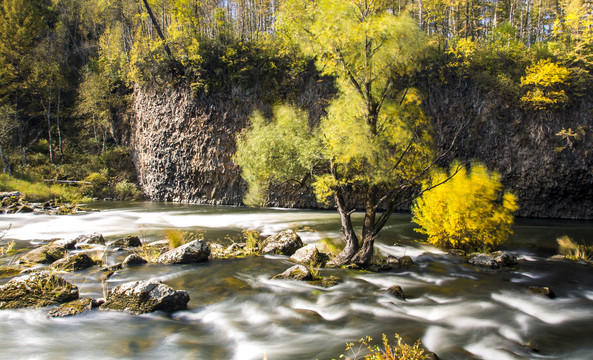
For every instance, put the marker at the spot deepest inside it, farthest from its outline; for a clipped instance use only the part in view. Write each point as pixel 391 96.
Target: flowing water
pixel 237 312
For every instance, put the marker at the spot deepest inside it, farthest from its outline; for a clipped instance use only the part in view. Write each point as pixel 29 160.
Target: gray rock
pixel 133 260
pixel 92 239
pixel 75 262
pixel 45 254
pixel 297 272
pixel 504 258
pixel 193 252
pixel 482 260
pixel 284 243
pixel 129 241
pixel 309 255
pixel 74 307
pixel 36 290
pixel 146 296
pixel 397 292
pixel 66 244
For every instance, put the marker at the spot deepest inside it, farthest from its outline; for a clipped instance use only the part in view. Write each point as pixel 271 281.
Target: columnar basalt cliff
pixel 183 146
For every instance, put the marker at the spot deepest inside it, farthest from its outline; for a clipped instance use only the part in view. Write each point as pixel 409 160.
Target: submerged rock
pixel 542 290
pixel 309 255
pixel 193 252
pixel 140 297
pixel 326 282
pixel 133 260
pixel 36 290
pixel 284 243
pixel 297 272
pixel 397 291
pixel 504 258
pixel 75 262
pixel 129 241
pixel 75 307
pixel 45 254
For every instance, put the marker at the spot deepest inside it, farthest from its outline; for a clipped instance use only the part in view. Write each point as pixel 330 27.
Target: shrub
pixel 40 191
pixel 572 250
pixel 125 190
pixel 98 184
pixel 545 82
pixel 400 351
pixel 469 211
pixel 253 240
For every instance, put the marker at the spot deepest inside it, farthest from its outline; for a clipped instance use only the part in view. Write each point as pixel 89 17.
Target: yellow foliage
pixel 546 82
pixel 470 211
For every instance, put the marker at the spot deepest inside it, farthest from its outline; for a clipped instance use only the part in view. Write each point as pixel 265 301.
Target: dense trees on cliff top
pixel 67 67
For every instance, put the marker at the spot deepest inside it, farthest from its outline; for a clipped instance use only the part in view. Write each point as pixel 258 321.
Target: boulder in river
pixel 75 307
pixel 45 254
pixel 66 244
pixel 140 297
pixel 36 290
pixel 542 290
pixel 90 239
pixel 504 258
pixel 127 242
pixel 397 291
pixel 482 260
pixel 133 260
pixel 309 255
pixel 75 262
pixel 297 272
pixel 286 242
pixel 193 252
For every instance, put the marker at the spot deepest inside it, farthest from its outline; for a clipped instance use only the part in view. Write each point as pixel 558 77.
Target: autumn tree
pixel 374 144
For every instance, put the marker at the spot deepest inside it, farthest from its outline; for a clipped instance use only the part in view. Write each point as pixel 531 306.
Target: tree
pixel 470 211
pixel 545 82
pixel 374 144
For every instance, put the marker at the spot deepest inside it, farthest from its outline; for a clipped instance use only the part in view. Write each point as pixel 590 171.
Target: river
pixel 236 312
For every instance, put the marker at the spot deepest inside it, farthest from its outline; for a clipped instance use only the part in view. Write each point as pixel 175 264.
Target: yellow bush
pixel 470 211
pixel 545 82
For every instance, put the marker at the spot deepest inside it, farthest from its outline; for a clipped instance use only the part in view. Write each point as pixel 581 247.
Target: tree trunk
pixel 158 28
pixel 350 237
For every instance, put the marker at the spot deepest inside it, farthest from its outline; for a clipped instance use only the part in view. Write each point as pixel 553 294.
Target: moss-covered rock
pixel 75 262
pixel 297 272
pixel 397 291
pixel 36 290
pixel 286 242
pixel 129 241
pixel 193 252
pixel 326 282
pixel 74 307
pixel 145 296
pixel 45 254
pixel 310 255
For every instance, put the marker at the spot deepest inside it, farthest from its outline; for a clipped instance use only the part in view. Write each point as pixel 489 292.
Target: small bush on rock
pixel 399 351
pixel 470 211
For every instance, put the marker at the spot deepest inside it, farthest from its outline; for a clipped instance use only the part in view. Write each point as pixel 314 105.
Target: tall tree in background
pixel 374 141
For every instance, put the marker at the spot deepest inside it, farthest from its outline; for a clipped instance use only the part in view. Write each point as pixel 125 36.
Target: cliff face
pixel 183 146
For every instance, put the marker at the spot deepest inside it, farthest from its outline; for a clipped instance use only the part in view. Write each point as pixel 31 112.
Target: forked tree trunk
pixel 350 237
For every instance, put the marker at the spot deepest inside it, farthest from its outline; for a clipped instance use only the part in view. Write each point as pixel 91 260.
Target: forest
pixel 68 68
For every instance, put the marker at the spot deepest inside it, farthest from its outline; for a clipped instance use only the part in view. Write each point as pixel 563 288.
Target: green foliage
pixel 177 237
pixel 573 250
pixel 546 83
pixel 253 241
pixel 400 351
pixel 40 191
pixel 125 190
pixel 469 211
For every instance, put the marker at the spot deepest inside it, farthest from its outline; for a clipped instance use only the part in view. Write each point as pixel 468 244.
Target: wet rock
pixel 66 244
pixel 193 252
pixel 542 290
pixel 113 267
pixel 75 307
pixel 146 296
pixel 45 254
pixel 456 252
pixel 284 243
pixel 92 239
pixel 482 260
pixel 133 260
pixel 8 271
pixel 504 258
pixel 15 195
pixel 36 290
pixel 25 209
pixel 558 258
pixel 397 291
pixel 309 255
pixel 297 272
pixel 160 244
pixel 75 262
pixel 127 242
pixel 326 282
pixel 406 262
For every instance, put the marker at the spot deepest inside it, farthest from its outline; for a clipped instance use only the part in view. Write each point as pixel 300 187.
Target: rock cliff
pixel 183 146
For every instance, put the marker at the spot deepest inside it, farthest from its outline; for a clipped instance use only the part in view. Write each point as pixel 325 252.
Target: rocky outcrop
pixel 193 252
pixel 36 290
pixel 182 145
pixel 75 262
pixel 145 296
pixel 286 242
